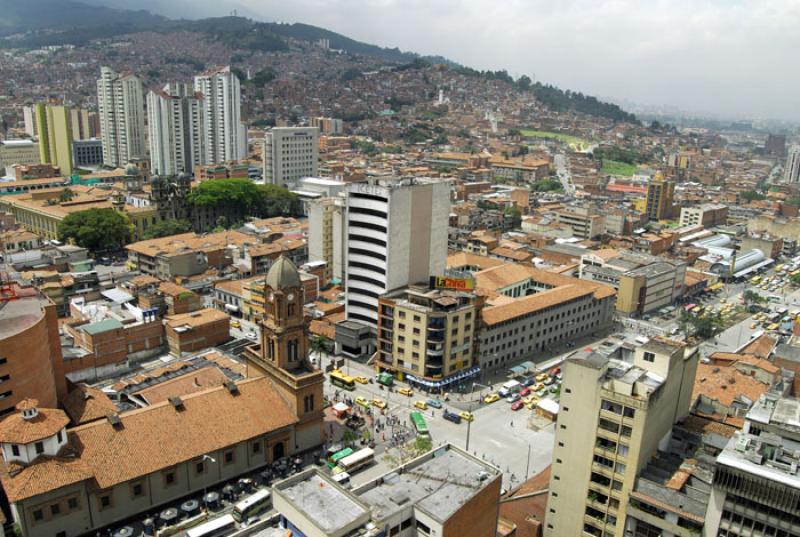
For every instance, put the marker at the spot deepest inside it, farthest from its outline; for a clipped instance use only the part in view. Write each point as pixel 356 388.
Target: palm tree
pixel 320 345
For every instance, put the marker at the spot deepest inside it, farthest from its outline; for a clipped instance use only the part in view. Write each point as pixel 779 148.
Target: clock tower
pixel 283 354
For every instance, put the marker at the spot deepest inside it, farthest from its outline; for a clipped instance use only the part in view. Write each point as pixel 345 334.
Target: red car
pixel 555 371
pixel 524 392
pixel 517 405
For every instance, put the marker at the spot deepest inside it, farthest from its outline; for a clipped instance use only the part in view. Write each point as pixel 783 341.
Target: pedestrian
pixel 512 423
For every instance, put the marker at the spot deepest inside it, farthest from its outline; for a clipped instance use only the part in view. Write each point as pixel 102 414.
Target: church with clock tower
pixel 283 354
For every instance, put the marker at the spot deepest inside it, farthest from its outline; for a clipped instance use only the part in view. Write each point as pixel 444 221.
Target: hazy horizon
pixel 726 58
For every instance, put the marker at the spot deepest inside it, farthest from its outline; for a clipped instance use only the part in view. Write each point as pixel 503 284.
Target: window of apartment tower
pixel 649 357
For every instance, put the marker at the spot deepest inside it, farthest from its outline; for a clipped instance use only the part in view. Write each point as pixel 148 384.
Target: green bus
pixel 339 455
pixel 418 422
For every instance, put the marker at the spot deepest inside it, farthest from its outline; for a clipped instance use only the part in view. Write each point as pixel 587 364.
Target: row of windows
pixel 368 253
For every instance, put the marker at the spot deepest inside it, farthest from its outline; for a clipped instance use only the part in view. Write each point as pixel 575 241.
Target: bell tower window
pixel 293 350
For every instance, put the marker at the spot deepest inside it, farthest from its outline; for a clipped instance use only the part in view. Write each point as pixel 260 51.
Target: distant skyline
pixel 725 58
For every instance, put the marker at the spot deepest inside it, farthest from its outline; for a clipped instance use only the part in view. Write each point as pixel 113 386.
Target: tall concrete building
pixel 29 118
pixel 326 241
pixel 791 170
pixel 290 154
pixel 225 134
pixel 175 120
pixel 83 128
pixel 613 416
pixel 756 485
pixel 660 193
pixel 121 107
pixel 396 235
pixel 54 125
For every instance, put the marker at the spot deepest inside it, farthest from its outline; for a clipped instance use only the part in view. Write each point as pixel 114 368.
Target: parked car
pixel 434 403
pixel 467 416
pixel 422 405
pixel 406 391
pixel 513 398
pixel 517 405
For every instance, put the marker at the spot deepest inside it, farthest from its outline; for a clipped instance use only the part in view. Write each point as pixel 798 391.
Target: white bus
pixel 217 527
pixel 357 460
pixel 253 505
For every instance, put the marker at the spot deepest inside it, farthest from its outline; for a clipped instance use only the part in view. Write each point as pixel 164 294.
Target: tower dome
pixel 283 274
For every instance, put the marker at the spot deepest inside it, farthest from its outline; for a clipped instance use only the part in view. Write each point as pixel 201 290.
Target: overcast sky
pixel 727 57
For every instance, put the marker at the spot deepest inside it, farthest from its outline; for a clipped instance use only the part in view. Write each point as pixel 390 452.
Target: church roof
pixel 283 274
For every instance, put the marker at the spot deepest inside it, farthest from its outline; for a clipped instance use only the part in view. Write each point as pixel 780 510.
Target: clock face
pixel 290 297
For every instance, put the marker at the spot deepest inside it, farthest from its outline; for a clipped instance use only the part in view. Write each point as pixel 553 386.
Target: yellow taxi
pixel 541 377
pixel 379 403
pixel 362 402
pixel 538 386
pixel 491 398
pixel 422 405
pixel 466 416
pixel 530 399
pixel 406 391
pixel 361 380
pixel 235 323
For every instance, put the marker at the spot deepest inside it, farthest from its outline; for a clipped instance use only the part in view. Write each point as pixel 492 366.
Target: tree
pixel 751 297
pixel 96 229
pixel 236 199
pixel 752 195
pixel 320 345
pixel 516 215
pixel 66 195
pixel 701 326
pixel 167 228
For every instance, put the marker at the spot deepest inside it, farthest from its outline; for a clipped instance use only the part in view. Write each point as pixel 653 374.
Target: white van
pixel 512 386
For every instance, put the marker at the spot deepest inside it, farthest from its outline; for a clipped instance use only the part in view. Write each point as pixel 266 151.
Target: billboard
pixel 458 284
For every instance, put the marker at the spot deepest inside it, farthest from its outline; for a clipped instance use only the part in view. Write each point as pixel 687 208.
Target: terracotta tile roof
pixel 761 347
pixel 526 505
pixel 187 242
pixel 724 383
pixel 195 318
pixel 47 473
pixel 190 382
pixel 15 429
pixel 172 289
pixel 85 404
pixel 703 425
pixel 322 328
pixel 733 357
pixel 157 437
pixel 461 259
pixel 519 255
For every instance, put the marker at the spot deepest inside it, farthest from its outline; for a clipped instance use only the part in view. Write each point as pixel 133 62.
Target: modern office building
pixel 427 335
pixel 756 486
pixel 290 154
pixel 83 126
pixel 121 109
pixel 25 152
pixel 176 125
pixel 613 415
pixel 225 134
pixel 396 233
pixel 706 215
pixel 791 170
pixel 54 125
pixel 660 194
pixel 87 152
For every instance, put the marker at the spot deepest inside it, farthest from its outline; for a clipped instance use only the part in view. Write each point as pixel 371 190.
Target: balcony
pixel 435 350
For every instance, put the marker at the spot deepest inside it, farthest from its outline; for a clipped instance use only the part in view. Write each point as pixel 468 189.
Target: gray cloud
pixel 728 57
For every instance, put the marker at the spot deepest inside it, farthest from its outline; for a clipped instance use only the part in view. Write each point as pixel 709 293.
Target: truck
pixel 512 386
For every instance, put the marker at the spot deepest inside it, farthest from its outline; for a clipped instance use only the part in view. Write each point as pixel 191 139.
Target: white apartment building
pixel 290 154
pixel 225 134
pixel 791 170
pixel 396 232
pixel 29 117
pixel 120 103
pixel 175 117
pixel 326 241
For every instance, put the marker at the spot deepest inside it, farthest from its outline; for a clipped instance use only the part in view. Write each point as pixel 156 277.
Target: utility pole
pixel 528 465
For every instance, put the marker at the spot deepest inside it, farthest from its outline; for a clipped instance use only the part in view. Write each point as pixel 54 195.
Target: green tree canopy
pixel 96 229
pixel 752 195
pixel 167 228
pixel 236 199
